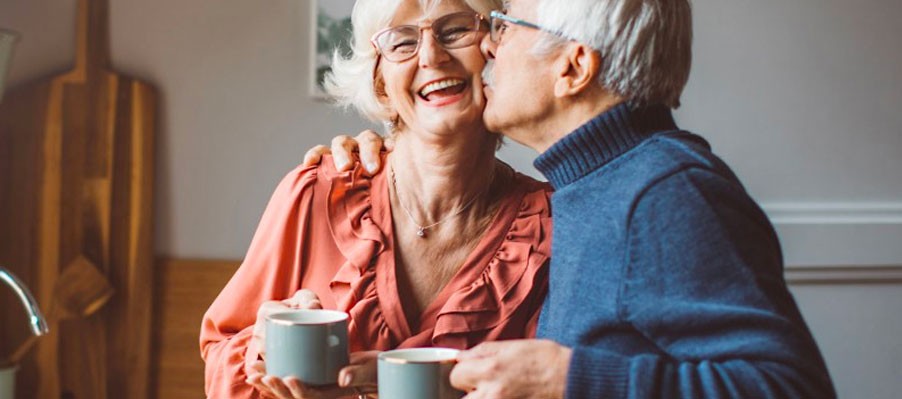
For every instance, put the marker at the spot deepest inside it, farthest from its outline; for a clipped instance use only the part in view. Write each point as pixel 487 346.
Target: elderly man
pixel 666 278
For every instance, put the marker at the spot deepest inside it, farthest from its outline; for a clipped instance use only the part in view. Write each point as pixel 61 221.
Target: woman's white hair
pixel 351 83
pixel 645 45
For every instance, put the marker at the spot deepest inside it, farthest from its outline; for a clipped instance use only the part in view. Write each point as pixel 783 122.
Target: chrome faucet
pixel 37 321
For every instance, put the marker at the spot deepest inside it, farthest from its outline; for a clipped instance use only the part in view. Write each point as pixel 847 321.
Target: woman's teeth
pixel 440 85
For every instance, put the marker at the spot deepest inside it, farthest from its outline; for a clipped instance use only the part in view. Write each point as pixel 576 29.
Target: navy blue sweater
pixel 667 278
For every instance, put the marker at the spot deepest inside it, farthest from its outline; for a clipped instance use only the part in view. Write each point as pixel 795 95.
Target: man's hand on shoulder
pixel 345 150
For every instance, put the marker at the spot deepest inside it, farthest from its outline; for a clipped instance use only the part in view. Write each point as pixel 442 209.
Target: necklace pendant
pixel 421 232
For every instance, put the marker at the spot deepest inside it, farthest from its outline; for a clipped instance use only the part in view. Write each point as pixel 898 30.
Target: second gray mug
pixel 311 345
pixel 417 373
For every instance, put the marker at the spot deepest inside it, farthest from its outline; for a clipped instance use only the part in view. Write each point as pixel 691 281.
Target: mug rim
pixel 339 317
pixel 386 356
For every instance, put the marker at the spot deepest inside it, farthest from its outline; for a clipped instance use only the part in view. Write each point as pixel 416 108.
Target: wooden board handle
pixel 92 50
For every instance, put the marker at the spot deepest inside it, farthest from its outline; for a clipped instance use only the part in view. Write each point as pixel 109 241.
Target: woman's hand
pixel 358 377
pixel 367 144
pixel 303 299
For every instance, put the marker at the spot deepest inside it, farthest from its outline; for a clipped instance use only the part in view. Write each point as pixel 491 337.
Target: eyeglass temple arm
pixel 505 17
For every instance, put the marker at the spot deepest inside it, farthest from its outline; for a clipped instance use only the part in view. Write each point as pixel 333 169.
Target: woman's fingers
pixel 295 387
pixel 303 299
pixel 361 372
pixel 277 387
pixel 357 376
pixel 259 332
pixel 255 373
pixel 343 148
pixel 363 357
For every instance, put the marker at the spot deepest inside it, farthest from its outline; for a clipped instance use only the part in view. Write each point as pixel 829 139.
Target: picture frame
pixel 330 29
pixel 8 40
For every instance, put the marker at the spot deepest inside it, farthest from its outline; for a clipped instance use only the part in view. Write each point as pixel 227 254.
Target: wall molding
pixel 842 213
pixel 816 234
pixel 843 275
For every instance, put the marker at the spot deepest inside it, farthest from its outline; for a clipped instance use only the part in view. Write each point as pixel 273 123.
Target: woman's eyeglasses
pixel 451 31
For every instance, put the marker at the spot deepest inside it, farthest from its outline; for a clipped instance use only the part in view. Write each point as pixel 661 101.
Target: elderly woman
pixel 446 246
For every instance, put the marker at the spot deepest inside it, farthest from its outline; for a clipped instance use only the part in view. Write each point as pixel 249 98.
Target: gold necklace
pixel 421 230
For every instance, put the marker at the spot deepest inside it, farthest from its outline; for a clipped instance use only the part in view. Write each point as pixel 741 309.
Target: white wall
pixel 801 97
pixel 857 328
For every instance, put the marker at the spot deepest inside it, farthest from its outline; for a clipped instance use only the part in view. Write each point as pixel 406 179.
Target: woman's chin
pixel 451 123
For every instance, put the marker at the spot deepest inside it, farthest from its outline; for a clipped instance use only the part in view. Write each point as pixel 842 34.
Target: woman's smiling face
pixel 438 90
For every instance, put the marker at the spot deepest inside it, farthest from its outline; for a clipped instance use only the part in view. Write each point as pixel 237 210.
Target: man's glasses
pixel 498 24
pixel 451 31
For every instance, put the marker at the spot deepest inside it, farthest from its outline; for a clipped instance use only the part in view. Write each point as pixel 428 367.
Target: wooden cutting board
pixel 76 178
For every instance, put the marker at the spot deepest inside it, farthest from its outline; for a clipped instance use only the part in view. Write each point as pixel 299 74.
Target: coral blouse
pixel 332 233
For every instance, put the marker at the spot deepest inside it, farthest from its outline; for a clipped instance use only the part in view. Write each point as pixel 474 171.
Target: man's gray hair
pixel 645 45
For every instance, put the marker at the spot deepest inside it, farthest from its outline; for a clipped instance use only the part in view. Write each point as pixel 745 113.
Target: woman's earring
pixel 391 126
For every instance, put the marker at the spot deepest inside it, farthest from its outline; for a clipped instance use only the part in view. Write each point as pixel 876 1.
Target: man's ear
pixel 579 68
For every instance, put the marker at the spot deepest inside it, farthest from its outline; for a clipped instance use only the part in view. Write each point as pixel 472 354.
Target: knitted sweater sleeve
pixel 703 284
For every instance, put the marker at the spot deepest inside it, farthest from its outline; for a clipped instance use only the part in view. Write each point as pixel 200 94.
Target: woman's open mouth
pixel 443 92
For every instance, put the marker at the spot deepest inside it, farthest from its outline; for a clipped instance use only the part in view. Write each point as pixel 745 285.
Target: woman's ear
pixel 379 85
pixel 580 65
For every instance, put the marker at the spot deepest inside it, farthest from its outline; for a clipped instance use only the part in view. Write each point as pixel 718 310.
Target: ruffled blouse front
pixel 332 233
pixel 496 294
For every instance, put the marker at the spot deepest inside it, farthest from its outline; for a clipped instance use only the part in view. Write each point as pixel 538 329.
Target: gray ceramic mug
pixel 311 345
pixel 417 373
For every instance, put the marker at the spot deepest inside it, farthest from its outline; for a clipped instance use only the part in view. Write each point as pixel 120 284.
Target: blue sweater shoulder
pixel 702 284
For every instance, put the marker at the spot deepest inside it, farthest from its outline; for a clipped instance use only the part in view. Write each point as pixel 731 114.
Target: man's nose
pixel 488 47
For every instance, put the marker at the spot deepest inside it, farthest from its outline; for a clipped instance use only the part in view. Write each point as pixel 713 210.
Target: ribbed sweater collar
pixel 605 137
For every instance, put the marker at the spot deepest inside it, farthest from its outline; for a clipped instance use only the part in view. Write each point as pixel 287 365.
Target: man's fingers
pixel 467 374
pixel 480 351
pixel 315 155
pixel 343 152
pixel 370 145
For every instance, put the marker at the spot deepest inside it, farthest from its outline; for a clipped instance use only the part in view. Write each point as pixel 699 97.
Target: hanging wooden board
pixel 79 183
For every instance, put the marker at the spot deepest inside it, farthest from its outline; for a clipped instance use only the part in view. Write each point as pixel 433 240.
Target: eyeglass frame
pixel 496 37
pixel 480 20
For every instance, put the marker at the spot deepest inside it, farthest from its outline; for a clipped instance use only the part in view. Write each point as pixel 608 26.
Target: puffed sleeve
pixel 271 270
